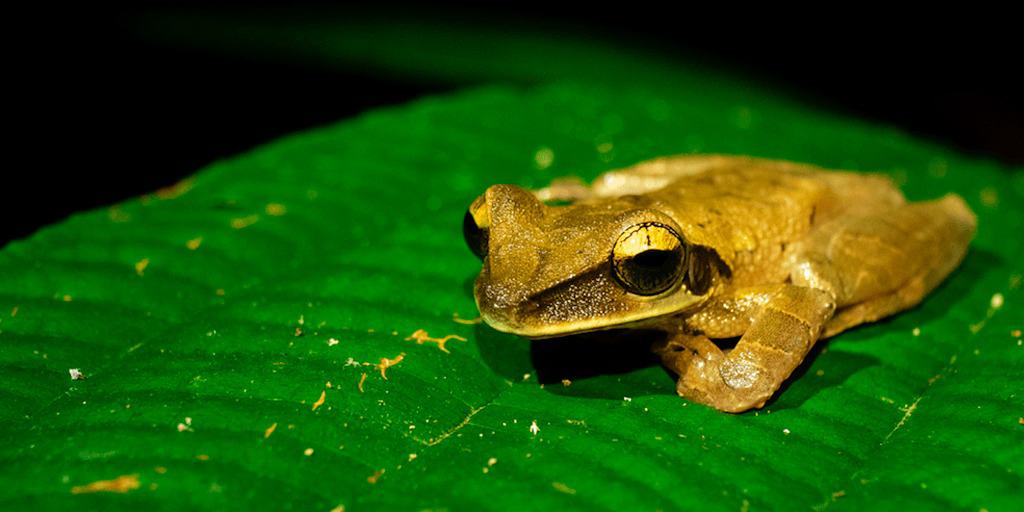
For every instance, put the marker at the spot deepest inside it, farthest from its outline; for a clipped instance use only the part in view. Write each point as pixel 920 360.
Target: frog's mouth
pixel 537 323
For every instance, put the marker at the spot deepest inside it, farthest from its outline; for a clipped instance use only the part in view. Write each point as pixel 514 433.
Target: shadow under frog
pixel 617 363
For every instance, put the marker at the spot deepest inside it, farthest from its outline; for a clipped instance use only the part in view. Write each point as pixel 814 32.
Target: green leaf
pixel 183 309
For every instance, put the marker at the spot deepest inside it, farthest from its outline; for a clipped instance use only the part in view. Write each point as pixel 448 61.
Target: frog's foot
pixel 702 368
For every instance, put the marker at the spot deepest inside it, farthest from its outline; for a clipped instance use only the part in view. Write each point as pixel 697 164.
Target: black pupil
pixel 654 271
pixel 475 237
pixel 654 260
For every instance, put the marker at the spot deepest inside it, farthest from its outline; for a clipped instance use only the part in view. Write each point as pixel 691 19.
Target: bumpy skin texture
pixel 795 253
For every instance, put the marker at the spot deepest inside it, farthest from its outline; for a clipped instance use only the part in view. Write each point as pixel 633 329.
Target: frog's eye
pixel 648 258
pixel 475 227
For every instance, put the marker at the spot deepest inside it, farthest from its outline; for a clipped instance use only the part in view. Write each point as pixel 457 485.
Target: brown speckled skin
pixel 796 253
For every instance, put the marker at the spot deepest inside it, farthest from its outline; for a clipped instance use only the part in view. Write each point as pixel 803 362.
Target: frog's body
pixel 710 247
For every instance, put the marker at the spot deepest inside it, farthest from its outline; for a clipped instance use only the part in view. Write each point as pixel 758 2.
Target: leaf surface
pixel 210 320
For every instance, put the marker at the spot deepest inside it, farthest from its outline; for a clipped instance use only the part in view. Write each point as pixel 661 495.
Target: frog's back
pixel 751 210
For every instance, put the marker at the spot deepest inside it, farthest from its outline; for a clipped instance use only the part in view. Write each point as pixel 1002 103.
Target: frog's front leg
pixel 781 334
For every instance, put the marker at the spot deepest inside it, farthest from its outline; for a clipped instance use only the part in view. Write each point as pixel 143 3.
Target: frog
pixel 740 265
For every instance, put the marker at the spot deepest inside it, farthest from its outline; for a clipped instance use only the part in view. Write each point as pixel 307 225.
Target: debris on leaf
pixel 566 382
pixel 270 430
pixel 375 476
pixel 997 301
pixel 194 243
pixel 534 428
pixel 76 374
pixel 386 363
pixel 421 337
pixel 560 487
pixel 244 222
pixel 361 381
pixel 116 214
pixel 332 342
pixel 989 197
pixel 307 452
pixel 276 209
pixel 916 331
pixel 203 457
pixel 459 320
pixel 187 425
pixel 121 484
pixel 140 266
pixel 412 457
pixel 785 431
pixel 14 311
pixel 298 332
pixel 175 190
pixel 320 401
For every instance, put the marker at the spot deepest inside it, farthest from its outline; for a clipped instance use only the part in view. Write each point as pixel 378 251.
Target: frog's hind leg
pixel 868 266
pixel 884 263
pixel 877 308
pixel 567 189
pixel 644 177
pixel 653 174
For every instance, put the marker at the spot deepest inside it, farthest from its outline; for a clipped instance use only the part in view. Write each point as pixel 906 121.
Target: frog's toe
pixel 704 384
pixel 722 398
pixel 674 355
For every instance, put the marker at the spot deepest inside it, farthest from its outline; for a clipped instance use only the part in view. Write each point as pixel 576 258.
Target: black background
pixel 99 115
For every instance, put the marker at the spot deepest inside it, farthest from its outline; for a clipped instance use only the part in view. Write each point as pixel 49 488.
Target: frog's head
pixel 558 270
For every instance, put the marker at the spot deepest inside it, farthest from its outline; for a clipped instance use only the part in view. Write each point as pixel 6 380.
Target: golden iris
pixel 475 227
pixel 648 258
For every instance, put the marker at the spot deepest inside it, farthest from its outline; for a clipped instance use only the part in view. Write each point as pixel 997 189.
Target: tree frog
pixel 711 247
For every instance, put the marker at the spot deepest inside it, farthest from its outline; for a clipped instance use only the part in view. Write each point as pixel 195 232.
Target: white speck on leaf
pixel 997 301
pixel 332 342
pixel 534 428
pixel 76 374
